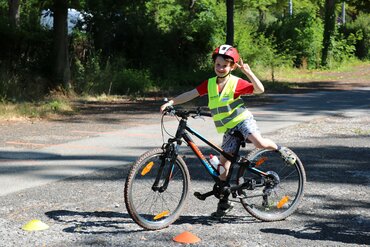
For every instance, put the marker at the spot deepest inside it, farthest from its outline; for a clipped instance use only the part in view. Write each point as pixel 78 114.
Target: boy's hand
pixel 244 67
pixel 164 106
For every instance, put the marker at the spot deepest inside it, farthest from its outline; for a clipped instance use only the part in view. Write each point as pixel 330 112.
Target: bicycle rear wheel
pixel 151 207
pixel 282 190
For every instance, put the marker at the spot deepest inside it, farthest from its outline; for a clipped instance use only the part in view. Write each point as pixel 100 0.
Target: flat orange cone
pixel 186 238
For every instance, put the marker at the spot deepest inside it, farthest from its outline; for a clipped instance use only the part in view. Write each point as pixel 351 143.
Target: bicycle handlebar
pixel 170 110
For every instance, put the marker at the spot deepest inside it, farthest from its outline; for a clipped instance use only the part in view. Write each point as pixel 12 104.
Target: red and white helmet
pixel 226 50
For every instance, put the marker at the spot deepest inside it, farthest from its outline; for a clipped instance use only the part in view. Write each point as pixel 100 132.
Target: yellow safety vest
pixel 226 111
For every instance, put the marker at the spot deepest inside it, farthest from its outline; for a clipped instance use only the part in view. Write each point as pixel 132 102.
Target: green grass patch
pixel 44 109
pixel 289 74
pixel 362 132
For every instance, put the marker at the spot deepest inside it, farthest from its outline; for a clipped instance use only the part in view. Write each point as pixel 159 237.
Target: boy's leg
pixel 226 164
pixel 229 145
pixel 223 207
pixel 260 142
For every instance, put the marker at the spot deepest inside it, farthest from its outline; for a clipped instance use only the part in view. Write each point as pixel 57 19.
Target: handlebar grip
pixel 206 114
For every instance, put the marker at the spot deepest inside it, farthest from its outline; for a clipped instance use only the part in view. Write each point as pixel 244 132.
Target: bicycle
pixel 157 185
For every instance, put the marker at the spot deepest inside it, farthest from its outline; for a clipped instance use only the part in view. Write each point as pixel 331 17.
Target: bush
pixel 360 28
pixel 299 35
pixel 24 61
pixel 131 81
pixel 341 49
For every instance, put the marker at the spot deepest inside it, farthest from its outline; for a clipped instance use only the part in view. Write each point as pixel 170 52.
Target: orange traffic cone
pixel 186 238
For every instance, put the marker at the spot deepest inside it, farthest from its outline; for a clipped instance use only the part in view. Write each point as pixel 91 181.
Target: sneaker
pixel 223 208
pixel 288 155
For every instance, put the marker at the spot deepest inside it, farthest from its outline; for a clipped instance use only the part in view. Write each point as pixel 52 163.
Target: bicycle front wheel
pixel 277 195
pixel 155 190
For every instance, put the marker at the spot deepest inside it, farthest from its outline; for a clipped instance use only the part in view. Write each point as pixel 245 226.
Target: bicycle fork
pixel 167 160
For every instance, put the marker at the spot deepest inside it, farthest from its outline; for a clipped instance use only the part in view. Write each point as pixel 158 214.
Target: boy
pixel 228 110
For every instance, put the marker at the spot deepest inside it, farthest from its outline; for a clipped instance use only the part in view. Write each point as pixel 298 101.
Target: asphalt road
pixel 86 208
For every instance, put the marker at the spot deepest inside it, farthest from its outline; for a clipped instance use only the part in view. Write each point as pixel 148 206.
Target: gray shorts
pixel 247 127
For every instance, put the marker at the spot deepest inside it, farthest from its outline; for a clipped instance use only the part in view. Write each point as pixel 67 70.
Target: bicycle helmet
pixel 226 50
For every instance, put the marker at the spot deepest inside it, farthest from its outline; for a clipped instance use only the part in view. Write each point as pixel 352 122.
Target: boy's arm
pixel 257 84
pixel 182 98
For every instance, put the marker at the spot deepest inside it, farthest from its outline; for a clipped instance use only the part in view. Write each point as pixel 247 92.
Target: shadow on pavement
pixel 97 222
pixel 101 222
pixel 333 164
pixel 329 164
pixel 208 220
pixel 332 230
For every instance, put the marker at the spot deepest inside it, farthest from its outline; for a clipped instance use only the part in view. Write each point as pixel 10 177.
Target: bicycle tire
pixel 154 210
pixel 285 197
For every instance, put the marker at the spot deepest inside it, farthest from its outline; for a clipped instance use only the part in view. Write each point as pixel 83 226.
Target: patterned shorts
pixel 247 127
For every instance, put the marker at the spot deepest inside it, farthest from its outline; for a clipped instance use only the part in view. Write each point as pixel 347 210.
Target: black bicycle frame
pixel 181 133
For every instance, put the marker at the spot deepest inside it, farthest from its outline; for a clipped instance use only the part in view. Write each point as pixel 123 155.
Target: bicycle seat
pixel 240 136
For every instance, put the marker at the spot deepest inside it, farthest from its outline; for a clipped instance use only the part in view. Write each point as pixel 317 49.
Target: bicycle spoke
pixel 156 208
pixel 282 193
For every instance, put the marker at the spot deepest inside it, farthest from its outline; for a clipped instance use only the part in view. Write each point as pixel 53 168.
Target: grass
pixel 362 132
pixel 59 104
pixel 44 109
pixel 288 74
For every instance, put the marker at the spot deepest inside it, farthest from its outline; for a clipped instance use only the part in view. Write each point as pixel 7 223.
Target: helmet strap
pixel 224 75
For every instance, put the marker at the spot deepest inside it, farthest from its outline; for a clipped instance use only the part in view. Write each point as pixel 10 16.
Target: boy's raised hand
pixel 244 67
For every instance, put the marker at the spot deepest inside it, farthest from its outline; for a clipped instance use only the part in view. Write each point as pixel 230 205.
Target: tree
pixel 13 12
pixel 359 6
pixel 230 22
pixel 329 29
pixel 62 71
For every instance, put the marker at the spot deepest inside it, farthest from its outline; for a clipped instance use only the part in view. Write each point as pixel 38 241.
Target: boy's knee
pixel 261 144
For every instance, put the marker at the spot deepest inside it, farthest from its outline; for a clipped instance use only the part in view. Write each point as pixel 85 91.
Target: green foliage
pixel 341 49
pixel 131 81
pixel 136 45
pixel 300 36
pixel 24 56
pixel 359 6
pixel 360 28
pixel 168 14
pixel 89 76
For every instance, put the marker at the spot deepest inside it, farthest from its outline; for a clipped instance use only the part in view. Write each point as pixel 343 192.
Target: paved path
pixel 21 168
pixel 88 210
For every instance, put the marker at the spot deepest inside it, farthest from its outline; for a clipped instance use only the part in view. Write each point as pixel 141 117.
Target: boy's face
pixel 222 66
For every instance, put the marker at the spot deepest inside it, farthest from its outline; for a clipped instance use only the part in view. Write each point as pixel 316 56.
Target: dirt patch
pixel 358 76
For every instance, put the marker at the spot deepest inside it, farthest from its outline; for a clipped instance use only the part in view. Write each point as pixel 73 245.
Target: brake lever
pixel 198 116
pixel 170 110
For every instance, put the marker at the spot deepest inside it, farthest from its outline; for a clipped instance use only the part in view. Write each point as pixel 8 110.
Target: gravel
pixel 89 210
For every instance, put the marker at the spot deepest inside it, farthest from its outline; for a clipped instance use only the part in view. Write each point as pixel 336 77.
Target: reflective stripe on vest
pixel 227 108
pixel 227 112
pixel 226 120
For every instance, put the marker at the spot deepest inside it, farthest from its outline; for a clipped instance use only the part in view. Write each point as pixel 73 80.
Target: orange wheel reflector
pixel 282 202
pixel 261 161
pixel 147 168
pixel 161 215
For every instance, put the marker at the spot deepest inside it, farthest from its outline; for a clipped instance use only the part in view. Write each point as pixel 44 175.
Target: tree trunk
pixel 13 12
pixel 62 71
pixel 329 29
pixel 230 22
pixel 262 18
